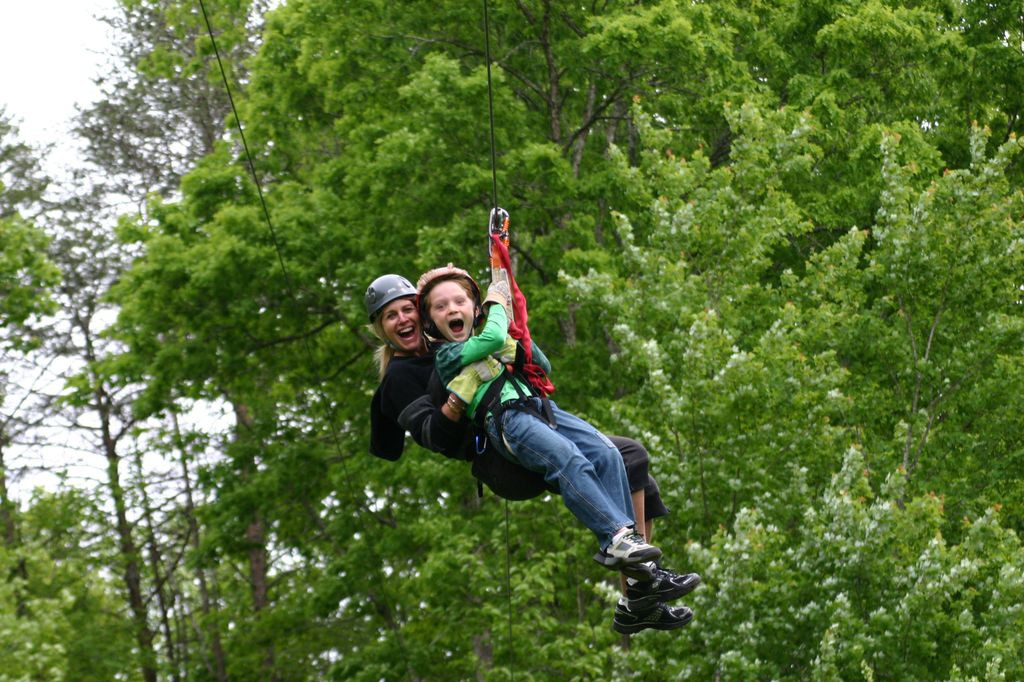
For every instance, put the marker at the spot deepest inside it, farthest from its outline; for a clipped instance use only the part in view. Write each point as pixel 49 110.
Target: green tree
pixel 25 273
pixel 743 210
pixel 97 405
pixel 886 597
pixel 234 352
pixel 22 180
pixel 934 293
pixel 59 618
pixel 163 104
pixel 26 276
pixel 709 351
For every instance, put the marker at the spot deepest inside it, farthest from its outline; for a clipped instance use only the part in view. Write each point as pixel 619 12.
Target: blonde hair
pixel 383 354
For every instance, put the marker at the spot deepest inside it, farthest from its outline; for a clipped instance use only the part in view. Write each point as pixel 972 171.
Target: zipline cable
pixel 490 107
pixel 336 438
pixel 494 212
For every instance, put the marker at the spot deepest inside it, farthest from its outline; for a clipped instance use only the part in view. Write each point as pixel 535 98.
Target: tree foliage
pixel 25 272
pixel 779 243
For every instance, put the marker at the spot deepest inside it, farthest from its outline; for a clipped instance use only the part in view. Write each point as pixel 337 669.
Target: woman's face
pixel 401 324
pixel 452 310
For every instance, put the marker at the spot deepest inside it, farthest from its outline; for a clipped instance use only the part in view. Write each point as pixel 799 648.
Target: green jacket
pixel 468 368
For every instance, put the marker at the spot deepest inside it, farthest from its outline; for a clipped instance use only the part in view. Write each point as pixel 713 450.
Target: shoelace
pixel 660 573
pixel 635 539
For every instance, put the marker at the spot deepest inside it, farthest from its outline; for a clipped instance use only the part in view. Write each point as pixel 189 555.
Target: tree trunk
pixel 7 526
pixel 159 577
pixel 484 653
pixel 126 543
pixel 218 665
pixel 181 633
pixel 9 530
pixel 255 539
pixel 554 94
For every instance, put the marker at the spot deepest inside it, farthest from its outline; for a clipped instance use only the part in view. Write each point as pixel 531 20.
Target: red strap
pixel 518 328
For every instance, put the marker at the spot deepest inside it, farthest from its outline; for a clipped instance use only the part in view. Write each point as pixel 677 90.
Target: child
pixel 570 453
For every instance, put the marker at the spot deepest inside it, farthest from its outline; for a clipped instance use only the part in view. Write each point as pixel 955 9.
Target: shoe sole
pixel 633 566
pixel 639 571
pixel 635 628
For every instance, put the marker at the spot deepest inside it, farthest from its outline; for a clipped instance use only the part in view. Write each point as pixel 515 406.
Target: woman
pixel 403 402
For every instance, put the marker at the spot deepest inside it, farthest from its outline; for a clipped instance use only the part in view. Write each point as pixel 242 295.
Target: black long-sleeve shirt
pixel 402 403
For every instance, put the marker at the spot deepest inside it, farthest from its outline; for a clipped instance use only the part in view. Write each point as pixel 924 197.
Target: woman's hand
pixel 453 408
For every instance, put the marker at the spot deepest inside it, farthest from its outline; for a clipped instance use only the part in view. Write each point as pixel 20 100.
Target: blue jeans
pixel 575 456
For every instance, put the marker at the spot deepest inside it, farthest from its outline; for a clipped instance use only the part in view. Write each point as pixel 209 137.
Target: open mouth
pixel 456 326
pixel 406 333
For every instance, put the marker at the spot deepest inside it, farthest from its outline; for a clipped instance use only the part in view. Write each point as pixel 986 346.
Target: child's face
pixel 452 310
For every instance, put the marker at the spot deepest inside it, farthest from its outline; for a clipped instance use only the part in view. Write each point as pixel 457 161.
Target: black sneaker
pixel 663 587
pixel 659 617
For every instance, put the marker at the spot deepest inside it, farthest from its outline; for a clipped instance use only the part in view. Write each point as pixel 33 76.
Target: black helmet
pixel 384 290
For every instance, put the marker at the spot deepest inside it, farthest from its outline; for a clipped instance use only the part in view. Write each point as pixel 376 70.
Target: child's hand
pixel 500 293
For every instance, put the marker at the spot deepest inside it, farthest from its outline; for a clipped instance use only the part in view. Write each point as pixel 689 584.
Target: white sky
pixel 50 50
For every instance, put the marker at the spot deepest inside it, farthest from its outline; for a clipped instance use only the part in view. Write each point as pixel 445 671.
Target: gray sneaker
pixel 627 552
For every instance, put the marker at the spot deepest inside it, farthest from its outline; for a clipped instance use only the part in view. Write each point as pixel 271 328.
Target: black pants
pixel 637 462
